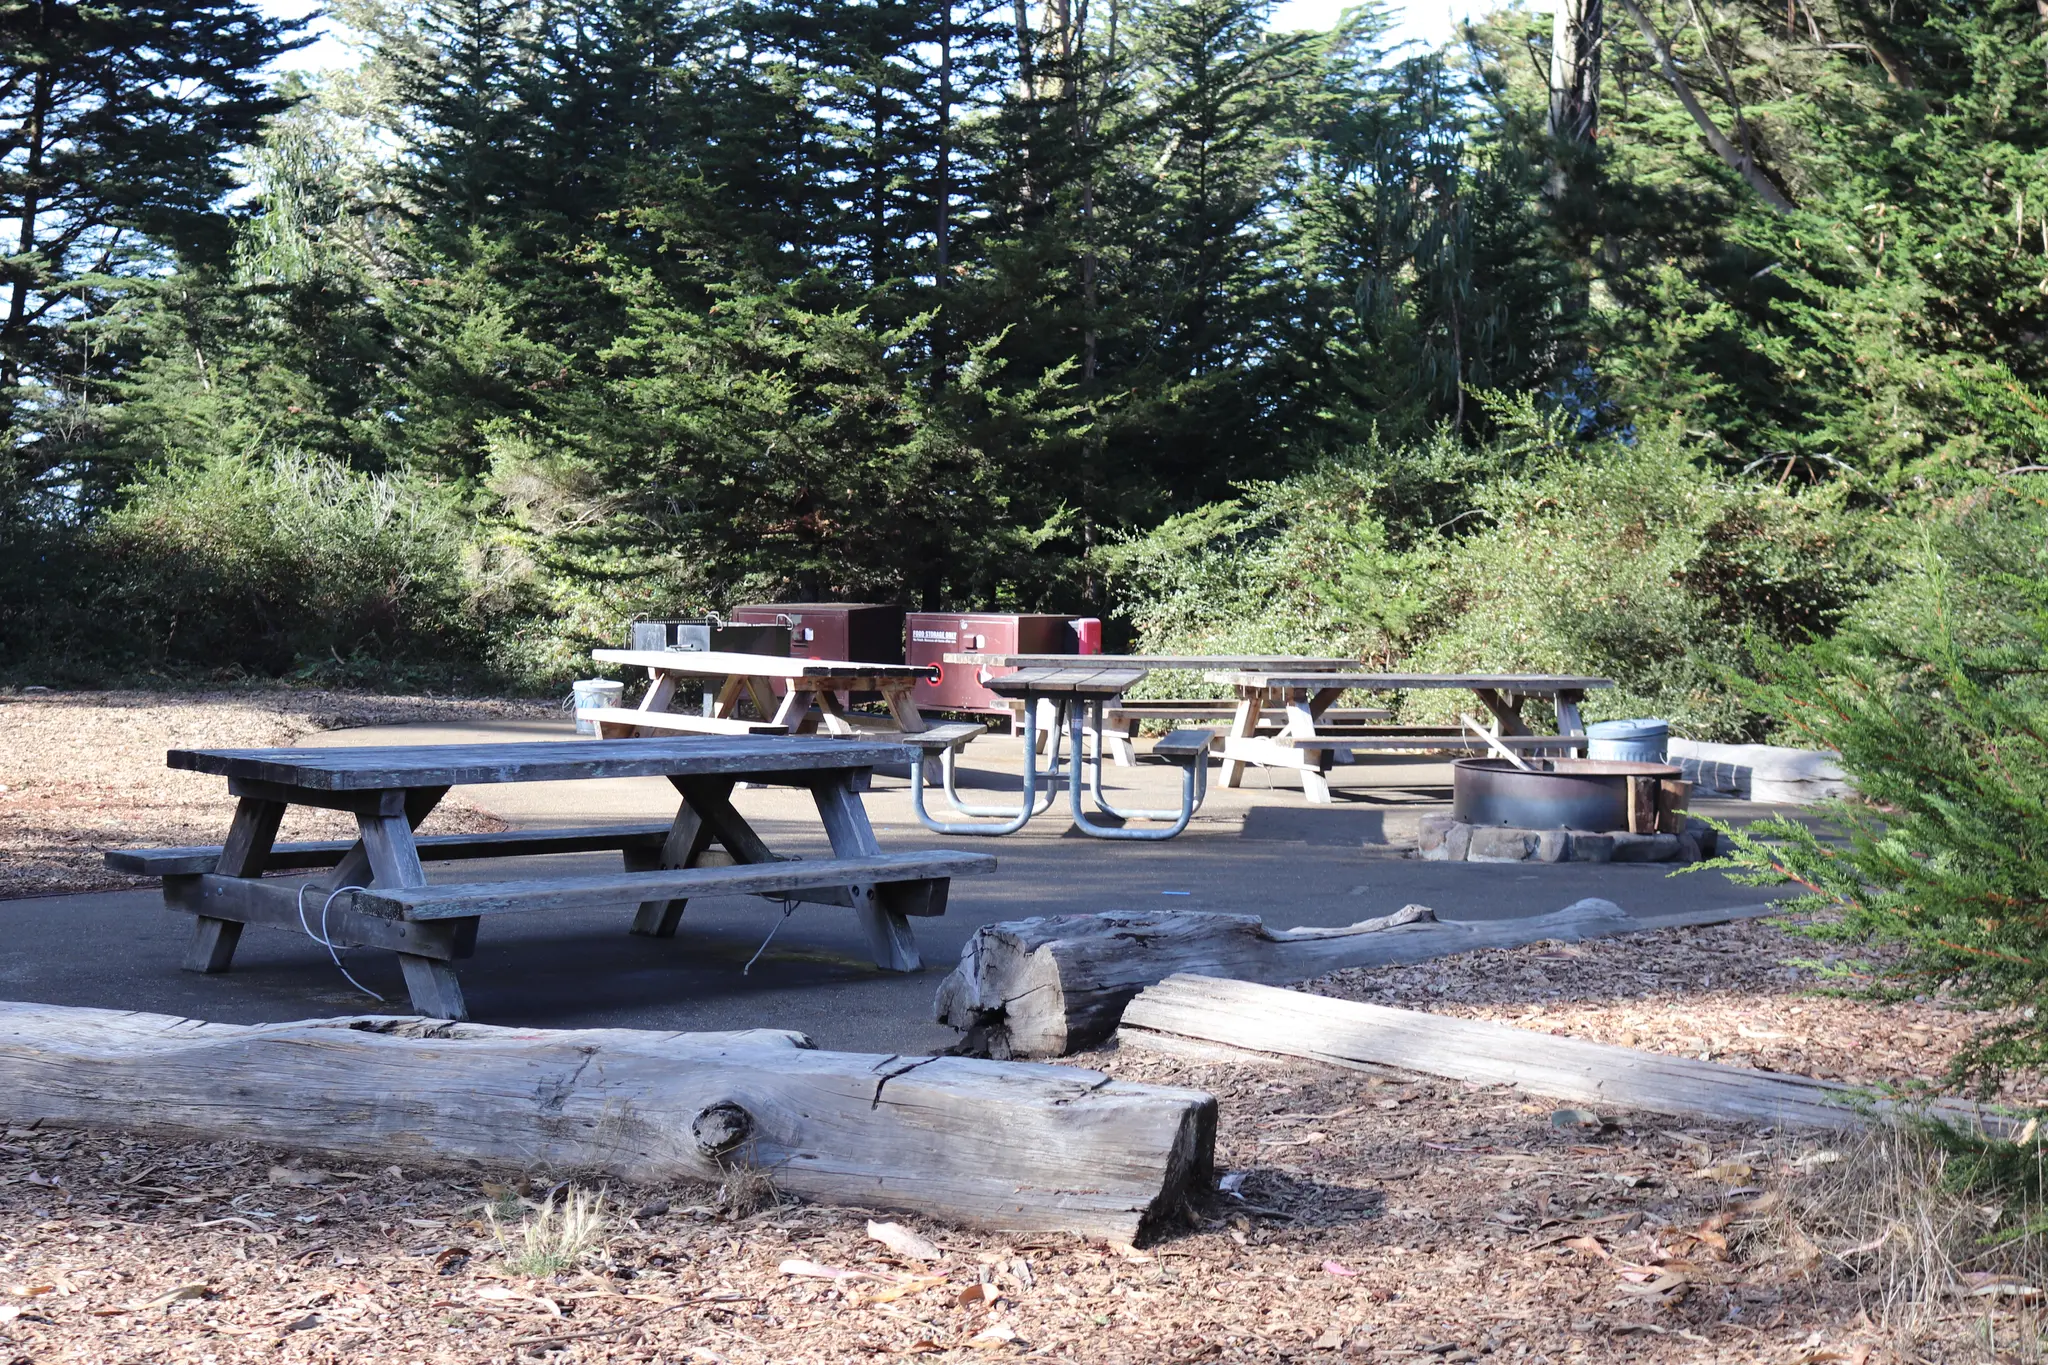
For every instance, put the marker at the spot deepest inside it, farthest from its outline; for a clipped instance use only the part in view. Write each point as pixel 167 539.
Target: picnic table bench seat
pixel 952 735
pixel 433 848
pixel 1437 738
pixel 906 883
pixel 1121 719
pixel 623 722
pixel 1184 746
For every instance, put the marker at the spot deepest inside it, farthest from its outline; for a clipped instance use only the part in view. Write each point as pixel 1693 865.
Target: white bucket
pixel 589 694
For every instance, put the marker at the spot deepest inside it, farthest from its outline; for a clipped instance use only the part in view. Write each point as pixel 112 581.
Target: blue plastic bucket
pixel 1630 741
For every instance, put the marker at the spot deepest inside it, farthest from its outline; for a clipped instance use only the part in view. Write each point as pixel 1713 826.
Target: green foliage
pixel 270 565
pixel 1642 563
pixel 1162 311
pixel 1934 696
pixel 121 123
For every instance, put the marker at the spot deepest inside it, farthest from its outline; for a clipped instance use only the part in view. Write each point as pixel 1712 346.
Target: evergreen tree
pixel 117 128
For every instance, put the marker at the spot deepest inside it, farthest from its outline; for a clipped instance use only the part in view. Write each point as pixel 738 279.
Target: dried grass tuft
pixel 1929 1226
pixel 556 1236
pixel 747 1189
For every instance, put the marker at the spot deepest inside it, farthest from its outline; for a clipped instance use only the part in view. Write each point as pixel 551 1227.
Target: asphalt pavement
pixel 1256 850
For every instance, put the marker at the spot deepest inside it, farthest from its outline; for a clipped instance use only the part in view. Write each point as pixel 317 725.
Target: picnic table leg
pixel 711 798
pixel 1048 723
pixel 833 714
pixel 727 699
pixel 903 706
pixel 1244 725
pixel 355 869
pixel 763 693
pixel 661 690
pixel 1568 722
pixel 1506 709
pixel 846 825
pixel 1122 747
pixel 794 713
pixel 1302 715
pixel 687 839
pixel 247 849
pixel 394 859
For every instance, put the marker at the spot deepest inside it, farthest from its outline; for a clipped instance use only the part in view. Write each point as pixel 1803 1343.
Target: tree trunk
pixel 1047 987
pixel 1575 72
pixel 979 1143
pixel 33 137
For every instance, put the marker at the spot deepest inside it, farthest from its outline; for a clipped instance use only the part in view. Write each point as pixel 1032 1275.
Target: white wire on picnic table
pixel 321 937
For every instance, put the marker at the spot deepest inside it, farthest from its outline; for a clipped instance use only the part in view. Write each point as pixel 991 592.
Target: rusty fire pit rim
pixel 1573 767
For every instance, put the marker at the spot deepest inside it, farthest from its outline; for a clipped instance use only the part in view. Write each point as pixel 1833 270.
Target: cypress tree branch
pixel 1737 160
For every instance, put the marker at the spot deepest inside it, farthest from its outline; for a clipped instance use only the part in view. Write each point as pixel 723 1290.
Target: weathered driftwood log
pixel 988 1144
pixel 1047 987
pixel 1207 1018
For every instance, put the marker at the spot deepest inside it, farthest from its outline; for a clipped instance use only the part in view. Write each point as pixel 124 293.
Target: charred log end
pixel 1190 1174
pixel 720 1129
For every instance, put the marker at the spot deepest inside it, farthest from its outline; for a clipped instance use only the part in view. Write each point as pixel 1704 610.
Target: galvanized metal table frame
pixel 1072 692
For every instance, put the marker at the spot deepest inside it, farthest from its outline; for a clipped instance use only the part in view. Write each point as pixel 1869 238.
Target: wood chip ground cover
pixel 1363 1219
pixel 84 771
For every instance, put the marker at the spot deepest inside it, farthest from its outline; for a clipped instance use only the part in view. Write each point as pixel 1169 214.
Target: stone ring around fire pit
pixel 1566 810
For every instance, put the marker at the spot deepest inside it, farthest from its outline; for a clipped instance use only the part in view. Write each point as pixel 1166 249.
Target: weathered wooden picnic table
pixel 1307 745
pixel 1120 717
pixel 377 895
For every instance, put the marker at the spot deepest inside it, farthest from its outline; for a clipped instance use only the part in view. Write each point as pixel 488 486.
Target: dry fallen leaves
pixel 903 1241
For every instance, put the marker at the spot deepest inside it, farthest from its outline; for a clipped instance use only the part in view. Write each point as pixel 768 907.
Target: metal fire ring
pixel 1561 793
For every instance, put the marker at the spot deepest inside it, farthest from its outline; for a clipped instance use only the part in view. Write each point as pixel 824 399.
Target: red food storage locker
pixel 860 631
pixel 935 634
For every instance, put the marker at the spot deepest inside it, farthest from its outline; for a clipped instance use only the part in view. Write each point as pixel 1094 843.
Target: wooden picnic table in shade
pixel 377 895
pixel 1309 746
pixel 806 682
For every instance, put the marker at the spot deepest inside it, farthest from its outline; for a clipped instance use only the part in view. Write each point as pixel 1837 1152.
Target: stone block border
pixel 1445 840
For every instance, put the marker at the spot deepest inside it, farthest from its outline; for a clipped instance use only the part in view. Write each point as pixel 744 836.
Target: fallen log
pixel 1211 1020
pixel 1047 987
pixel 986 1144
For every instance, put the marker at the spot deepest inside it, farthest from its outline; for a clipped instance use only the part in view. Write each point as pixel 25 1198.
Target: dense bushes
pixel 1626 557
pixel 260 565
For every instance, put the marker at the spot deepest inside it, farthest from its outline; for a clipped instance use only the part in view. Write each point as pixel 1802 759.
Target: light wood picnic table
pixel 1306 695
pixel 807 682
pixel 378 896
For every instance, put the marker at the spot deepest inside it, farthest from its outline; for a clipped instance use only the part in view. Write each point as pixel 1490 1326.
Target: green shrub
pixel 1936 696
pixel 1623 558
pixel 280 564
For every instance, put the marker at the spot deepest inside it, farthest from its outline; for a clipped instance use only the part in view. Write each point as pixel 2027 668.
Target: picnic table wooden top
pixel 713 663
pixel 1187 663
pixel 1072 682
pixel 385 768
pixel 1527 684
